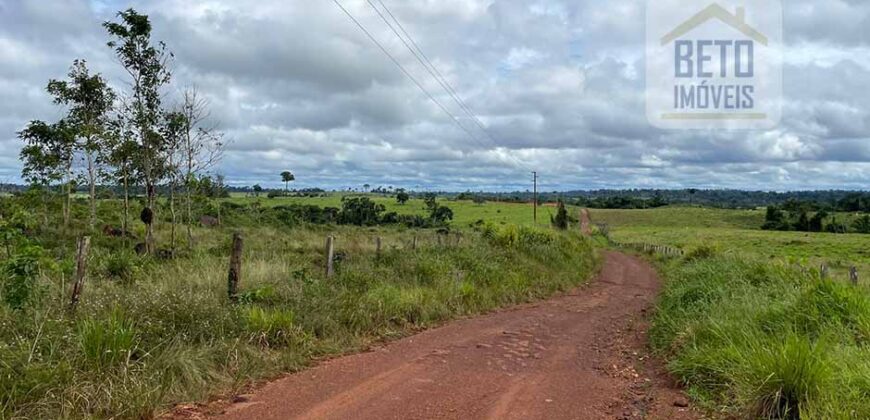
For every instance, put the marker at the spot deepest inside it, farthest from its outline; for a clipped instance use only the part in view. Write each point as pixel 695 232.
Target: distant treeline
pixel 839 200
pixel 851 201
pixel 809 216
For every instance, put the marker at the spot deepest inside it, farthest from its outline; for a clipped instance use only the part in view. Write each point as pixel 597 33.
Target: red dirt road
pixel 577 356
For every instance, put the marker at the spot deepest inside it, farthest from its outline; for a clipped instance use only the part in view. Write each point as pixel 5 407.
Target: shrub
pixel 273 327
pixel 701 252
pixel 122 265
pixel 20 272
pixel 107 342
pixel 360 211
pixel 862 224
pixel 560 221
pixel 261 294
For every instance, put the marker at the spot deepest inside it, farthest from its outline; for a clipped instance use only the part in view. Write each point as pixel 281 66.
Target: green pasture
pixel 464 212
pixel 736 231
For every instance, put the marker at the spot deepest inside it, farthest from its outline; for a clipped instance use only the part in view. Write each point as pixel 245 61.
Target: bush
pixel 701 252
pixel 122 265
pixel 273 327
pixel 107 342
pixel 360 211
pixel 20 272
pixel 862 224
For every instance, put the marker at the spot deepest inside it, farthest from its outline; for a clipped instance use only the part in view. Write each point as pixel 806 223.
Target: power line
pixel 401 67
pixel 420 86
pixel 428 65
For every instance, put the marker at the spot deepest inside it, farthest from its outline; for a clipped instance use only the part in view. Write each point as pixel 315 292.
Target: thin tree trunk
pixel 172 209
pixel 187 181
pixel 92 181
pixel 149 228
pixel 189 215
pixel 125 223
pixel 45 197
pixel 68 200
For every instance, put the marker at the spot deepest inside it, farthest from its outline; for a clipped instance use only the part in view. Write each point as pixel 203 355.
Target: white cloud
pixel 296 85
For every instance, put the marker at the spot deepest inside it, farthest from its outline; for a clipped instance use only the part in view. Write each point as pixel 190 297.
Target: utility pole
pixel 535 197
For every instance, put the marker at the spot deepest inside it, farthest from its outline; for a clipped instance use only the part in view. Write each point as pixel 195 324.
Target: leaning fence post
pixel 823 271
pixel 82 248
pixel 235 272
pixel 414 243
pixel 853 275
pixel 330 254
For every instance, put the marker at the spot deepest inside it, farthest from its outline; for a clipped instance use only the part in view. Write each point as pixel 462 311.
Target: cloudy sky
pixel 558 85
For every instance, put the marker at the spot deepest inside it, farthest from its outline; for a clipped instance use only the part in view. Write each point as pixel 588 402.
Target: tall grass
pixel 763 340
pixel 150 333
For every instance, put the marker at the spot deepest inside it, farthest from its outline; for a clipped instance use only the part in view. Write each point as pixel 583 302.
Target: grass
pixel 751 338
pixel 738 231
pixel 149 333
pixel 465 212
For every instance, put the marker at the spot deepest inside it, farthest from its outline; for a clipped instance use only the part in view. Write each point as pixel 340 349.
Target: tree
pixel 202 147
pixel 257 190
pixel 441 214
pixel 90 100
pixel 817 222
pixel 862 224
pixel 430 200
pixel 146 64
pixel 774 219
pixel 402 197
pixel 560 221
pixel 47 156
pixel 479 199
pixel 121 156
pixel 692 192
pixel 172 129
pixel 286 177
pixel 802 221
pixel 360 211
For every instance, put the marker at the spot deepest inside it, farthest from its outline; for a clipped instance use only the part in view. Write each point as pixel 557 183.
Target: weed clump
pixel 751 337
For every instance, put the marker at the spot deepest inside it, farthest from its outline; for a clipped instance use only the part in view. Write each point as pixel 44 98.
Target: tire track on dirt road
pixel 581 355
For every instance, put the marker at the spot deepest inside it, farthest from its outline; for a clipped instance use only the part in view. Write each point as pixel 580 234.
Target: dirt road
pixel 585 224
pixel 576 356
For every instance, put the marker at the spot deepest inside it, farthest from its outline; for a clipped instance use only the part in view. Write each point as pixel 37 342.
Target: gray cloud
pixel 558 84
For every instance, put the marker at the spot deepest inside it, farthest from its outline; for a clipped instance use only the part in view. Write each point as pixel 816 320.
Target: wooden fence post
pixel 82 247
pixel 853 275
pixel 823 271
pixel 330 255
pixel 414 243
pixel 235 273
pixel 378 246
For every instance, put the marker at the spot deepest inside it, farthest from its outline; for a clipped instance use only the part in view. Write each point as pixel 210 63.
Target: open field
pixel 736 231
pixel 149 331
pixel 464 212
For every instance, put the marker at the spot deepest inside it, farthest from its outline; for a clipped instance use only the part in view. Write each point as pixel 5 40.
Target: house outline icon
pixel 715 11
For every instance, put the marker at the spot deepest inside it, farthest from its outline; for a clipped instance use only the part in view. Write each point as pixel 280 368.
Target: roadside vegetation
pixel 746 320
pixel 151 330
pixel 752 338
